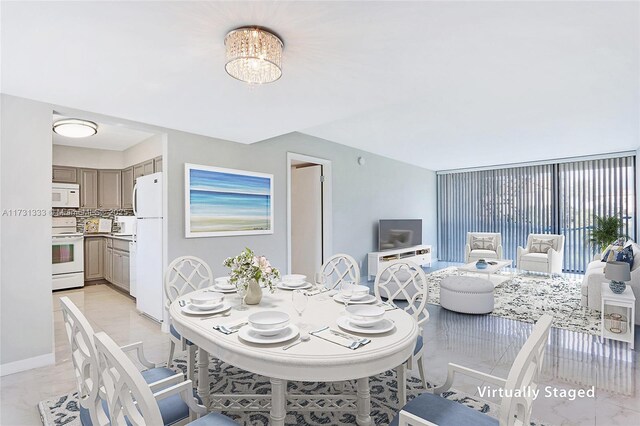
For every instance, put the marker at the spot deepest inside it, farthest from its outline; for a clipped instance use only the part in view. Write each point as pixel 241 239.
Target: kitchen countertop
pixel 115 237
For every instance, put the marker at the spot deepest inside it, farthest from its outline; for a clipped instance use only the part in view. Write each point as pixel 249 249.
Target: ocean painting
pixel 222 202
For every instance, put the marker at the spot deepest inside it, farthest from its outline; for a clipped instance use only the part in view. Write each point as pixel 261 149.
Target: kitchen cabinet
pixel 148 167
pixel 143 169
pixel 88 188
pixel 93 258
pixel 63 174
pixel 127 188
pixel 157 164
pixel 108 262
pixel 120 269
pixel 109 189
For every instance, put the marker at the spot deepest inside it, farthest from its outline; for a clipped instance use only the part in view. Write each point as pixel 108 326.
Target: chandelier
pixel 254 55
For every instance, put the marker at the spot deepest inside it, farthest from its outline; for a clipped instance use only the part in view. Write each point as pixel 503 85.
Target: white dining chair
pixel 515 406
pixel 131 401
pixel 84 358
pixel 339 268
pixel 407 283
pixel 184 275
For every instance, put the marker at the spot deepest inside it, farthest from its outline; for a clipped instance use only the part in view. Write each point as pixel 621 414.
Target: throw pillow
pixel 611 253
pixel 626 255
pixel 541 245
pixel 482 243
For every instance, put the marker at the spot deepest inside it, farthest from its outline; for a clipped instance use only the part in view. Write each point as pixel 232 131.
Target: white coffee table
pixel 489 270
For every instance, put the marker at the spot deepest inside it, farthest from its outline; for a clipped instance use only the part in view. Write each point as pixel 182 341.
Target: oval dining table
pixel 315 360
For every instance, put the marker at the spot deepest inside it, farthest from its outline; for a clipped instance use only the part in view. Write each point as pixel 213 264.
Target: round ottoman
pixel 469 295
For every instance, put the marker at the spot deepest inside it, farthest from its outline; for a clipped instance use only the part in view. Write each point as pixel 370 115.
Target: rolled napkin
pixel 340 338
pixel 229 329
pixel 387 306
pixel 316 291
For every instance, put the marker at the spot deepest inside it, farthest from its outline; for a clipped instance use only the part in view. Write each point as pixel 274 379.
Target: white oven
pixel 67 254
pixel 65 195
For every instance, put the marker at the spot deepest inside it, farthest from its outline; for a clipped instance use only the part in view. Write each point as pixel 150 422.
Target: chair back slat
pixel 129 397
pixel 184 275
pixel 516 405
pixel 84 359
pixel 404 281
pixel 339 268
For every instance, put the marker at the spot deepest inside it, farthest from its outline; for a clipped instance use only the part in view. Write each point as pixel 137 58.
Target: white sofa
pixel 594 277
pixel 493 240
pixel 549 262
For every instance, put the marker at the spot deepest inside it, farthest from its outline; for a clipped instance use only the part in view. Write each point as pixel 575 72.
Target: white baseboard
pixel 27 364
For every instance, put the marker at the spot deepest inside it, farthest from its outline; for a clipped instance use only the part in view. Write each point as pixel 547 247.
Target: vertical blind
pixel 550 198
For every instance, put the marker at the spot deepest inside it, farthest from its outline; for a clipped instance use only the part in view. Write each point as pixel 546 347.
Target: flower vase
pixel 254 293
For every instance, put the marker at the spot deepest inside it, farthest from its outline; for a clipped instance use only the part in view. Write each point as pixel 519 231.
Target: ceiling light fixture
pixel 254 55
pixel 75 128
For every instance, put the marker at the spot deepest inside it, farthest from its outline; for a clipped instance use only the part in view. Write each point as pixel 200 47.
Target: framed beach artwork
pixel 223 202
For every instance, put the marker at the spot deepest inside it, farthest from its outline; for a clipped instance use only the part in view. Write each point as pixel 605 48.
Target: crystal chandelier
pixel 254 55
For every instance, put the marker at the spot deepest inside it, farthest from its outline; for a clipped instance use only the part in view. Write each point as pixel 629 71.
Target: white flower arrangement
pixel 247 266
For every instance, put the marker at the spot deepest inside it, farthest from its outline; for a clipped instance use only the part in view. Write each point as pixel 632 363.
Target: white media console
pixel 376 260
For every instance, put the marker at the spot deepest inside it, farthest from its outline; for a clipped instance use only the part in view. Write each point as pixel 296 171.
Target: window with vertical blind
pixel 561 198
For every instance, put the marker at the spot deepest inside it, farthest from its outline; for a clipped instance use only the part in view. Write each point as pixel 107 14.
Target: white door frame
pixel 327 218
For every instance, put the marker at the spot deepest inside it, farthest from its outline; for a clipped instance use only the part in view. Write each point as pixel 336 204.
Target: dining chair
pixel 184 275
pixel 84 358
pixel 131 401
pixel 339 268
pixel 515 406
pixel 407 282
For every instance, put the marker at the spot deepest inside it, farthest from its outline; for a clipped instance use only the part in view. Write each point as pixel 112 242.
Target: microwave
pixel 65 195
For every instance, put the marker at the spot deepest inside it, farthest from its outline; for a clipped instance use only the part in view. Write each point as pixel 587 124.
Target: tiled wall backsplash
pixel 83 214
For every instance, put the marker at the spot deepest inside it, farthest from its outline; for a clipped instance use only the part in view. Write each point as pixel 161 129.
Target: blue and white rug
pixel 526 297
pixel 63 410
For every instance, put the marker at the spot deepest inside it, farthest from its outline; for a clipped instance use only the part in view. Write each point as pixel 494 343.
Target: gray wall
pixel 26 319
pixel 362 195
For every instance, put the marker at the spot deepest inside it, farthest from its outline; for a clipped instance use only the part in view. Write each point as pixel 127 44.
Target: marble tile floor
pixel 487 343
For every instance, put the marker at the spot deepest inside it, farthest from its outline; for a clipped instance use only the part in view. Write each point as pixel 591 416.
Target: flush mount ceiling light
pixel 75 128
pixel 254 55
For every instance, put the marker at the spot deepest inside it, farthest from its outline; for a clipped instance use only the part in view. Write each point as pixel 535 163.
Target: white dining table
pixel 316 360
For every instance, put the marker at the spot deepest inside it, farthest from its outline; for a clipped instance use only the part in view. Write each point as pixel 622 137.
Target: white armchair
pixel 483 245
pixel 543 253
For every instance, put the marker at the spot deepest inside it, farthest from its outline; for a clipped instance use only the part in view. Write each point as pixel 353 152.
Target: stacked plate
pixel 206 303
pixel 293 282
pixel 268 327
pixel 360 295
pixel 223 285
pixel 366 320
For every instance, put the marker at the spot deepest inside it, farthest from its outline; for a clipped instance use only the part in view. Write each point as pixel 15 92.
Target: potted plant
pixel 606 230
pixel 248 271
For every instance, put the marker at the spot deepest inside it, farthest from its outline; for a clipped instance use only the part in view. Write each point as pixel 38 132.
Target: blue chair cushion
pixel 213 419
pixel 173 409
pixel 419 344
pixel 445 412
pixel 177 335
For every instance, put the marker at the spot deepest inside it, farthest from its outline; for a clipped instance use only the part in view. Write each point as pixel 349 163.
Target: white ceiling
pixel 110 136
pixel 437 84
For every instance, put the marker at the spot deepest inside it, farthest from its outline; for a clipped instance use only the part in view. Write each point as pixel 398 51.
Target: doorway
pixel 309 213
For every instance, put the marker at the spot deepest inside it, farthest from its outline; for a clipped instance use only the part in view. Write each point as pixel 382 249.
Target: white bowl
pixel 359 292
pixel 270 332
pixel 365 315
pixel 224 283
pixel 207 299
pixel 294 279
pixel 268 320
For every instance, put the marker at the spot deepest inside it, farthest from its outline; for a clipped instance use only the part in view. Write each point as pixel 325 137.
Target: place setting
pixel 204 303
pixel 351 293
pixel 266 327
pixel 365 319
pixel 293 282
pixel 223 285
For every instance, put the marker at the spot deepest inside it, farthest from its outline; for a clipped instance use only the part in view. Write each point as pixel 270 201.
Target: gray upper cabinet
pixel 63 174
pixel 148 167
pixel 138 170
pixel 127 188
pixel 109 189
pixel 157 164
pixel 88 188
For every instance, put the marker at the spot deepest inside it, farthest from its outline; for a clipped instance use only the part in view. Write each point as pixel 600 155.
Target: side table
pixel 622 304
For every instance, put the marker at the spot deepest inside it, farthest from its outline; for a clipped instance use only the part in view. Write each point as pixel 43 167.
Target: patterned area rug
pixel 526 297
pixel 63 410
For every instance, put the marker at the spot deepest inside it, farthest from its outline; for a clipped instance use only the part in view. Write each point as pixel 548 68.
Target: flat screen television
pixel 399 233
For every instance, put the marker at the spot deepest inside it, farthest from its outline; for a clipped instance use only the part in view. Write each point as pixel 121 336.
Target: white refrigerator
pixel 147 207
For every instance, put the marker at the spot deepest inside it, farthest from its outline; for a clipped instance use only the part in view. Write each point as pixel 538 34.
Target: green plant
pixel 606 230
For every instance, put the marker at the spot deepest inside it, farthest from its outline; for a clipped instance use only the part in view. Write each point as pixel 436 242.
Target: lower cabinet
pixel 108 264
pixel 93 258
pixel 116 263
